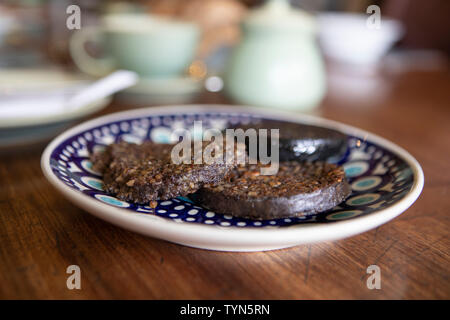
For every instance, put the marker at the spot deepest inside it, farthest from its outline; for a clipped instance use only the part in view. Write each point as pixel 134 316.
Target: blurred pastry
pixel 218 19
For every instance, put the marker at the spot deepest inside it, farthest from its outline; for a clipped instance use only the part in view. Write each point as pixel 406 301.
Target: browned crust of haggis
pixel 144 173
pixel 297 189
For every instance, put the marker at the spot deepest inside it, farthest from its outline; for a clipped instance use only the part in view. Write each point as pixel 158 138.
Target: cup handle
pixel 93 66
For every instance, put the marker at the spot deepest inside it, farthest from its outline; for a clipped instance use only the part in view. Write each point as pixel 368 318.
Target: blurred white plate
pixel 20 86
pixel 24 131
pixel 23 79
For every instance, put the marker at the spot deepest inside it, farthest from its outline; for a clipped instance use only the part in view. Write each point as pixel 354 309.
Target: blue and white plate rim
pixel 235 238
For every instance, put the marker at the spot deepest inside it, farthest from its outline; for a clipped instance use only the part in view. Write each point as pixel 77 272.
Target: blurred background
pixel 298 55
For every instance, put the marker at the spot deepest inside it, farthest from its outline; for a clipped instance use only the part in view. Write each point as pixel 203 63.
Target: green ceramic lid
pixel 279 15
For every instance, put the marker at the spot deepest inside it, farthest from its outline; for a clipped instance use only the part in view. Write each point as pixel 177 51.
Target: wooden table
pixel 41 233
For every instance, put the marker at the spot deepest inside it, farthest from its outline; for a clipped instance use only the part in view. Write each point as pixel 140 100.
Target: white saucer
pixel 166 90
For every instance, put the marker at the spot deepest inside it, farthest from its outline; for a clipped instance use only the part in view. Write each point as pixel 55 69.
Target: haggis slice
pixel 297 189
pixel 146 172
pixel 302 142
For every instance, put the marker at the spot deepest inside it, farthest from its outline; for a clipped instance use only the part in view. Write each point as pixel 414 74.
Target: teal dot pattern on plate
pixel 93 182
pixel 340 215
pixel 378 178
pixel 112 201
pixel 366 183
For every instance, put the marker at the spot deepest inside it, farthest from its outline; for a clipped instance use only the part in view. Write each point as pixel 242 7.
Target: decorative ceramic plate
pixel 385 181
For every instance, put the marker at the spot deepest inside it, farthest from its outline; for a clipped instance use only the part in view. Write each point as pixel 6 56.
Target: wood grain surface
pixel 41 233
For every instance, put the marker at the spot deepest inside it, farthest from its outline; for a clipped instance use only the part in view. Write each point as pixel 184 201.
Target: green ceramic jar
pixel 277 64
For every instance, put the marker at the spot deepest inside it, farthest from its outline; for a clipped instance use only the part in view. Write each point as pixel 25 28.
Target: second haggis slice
pixel 297 189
